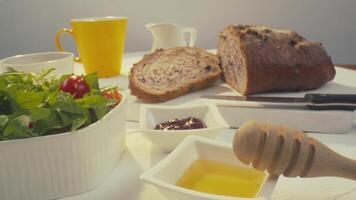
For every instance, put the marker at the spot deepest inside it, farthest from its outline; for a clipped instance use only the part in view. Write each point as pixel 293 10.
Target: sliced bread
pixel 168 73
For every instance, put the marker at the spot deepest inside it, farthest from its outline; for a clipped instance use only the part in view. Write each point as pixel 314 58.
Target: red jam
pixel 181 124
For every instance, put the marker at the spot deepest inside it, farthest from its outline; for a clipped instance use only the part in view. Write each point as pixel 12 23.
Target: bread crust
pixel 150 96
pixel 272 60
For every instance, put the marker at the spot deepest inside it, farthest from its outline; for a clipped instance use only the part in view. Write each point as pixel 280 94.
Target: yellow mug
pixel 100 42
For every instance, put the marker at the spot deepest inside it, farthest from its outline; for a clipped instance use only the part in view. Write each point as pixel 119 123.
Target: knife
pixel 312 101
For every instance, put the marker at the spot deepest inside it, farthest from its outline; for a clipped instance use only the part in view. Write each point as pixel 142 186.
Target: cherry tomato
pixel 112 94
pixel 82 88
pixel 75 85
pixel 68 84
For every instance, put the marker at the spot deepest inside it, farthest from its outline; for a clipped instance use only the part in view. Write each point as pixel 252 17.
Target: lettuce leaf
pixel 33 105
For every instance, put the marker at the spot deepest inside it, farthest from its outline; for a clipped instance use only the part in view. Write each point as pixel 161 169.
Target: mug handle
pixel 58 41
pixel 193 35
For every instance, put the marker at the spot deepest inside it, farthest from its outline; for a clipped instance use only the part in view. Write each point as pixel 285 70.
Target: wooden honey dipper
pixel 282 150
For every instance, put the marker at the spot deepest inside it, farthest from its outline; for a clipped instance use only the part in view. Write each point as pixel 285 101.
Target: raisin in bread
pixel 168 73
pixel 257 59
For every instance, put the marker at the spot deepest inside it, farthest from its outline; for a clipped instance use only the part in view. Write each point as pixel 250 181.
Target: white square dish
pixel 166 173
pixel 167 140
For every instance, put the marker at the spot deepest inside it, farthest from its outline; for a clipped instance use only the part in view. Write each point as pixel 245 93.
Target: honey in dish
pixel 222 179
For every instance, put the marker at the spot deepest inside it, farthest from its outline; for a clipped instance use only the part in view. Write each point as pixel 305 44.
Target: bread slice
pixel 257 59
pixel 168 73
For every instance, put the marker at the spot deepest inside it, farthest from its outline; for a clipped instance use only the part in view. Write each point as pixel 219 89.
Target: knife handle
pixel 331 101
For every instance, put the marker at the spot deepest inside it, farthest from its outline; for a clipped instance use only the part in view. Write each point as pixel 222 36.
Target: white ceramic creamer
pixel 170 35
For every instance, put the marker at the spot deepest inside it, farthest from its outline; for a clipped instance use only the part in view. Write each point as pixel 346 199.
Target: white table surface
pixel 123 183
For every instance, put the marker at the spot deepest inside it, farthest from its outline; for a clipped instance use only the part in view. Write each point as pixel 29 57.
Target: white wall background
pixel 30 25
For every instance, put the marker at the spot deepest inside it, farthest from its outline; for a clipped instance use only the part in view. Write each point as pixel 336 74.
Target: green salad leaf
pixel 92 81
pixel 77 123
pixel 32 104
pixel 3 120
pixel 29 99
pixel 18 127
pixel 39 113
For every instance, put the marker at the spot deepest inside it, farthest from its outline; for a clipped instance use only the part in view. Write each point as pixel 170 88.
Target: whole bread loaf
pixel 168 73
pixel 257 59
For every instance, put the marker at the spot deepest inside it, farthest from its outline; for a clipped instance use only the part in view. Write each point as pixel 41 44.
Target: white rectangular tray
pixel 236 114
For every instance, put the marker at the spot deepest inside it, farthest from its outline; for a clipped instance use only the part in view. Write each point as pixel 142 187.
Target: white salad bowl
pixel 167 140
pixel 166 173
pixel 37 62
pixel 61 165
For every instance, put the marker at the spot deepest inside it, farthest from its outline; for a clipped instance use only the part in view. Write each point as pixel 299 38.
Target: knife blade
pixel 313 101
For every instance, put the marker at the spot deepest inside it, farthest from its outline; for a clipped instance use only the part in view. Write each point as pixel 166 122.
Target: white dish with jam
pixel 167 173
pixel 167 140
